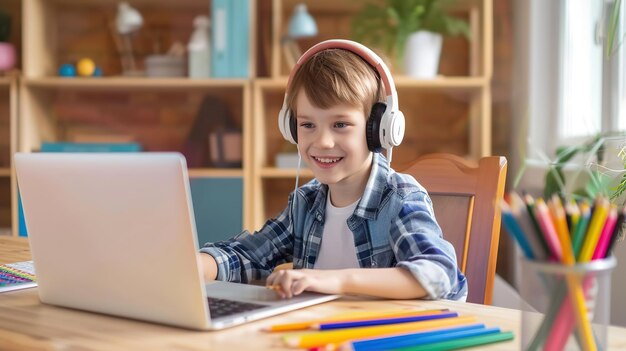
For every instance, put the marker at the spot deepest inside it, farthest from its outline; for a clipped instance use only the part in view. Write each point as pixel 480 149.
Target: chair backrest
pixel 465 197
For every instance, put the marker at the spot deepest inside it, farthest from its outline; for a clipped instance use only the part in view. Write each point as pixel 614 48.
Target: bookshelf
pixel 450 113
pixel 159 113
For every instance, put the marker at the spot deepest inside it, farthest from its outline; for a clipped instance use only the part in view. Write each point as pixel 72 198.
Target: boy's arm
pixel 208 266
pixel 420 249
pixel 377 282
pixel 390 283
pixel 249 257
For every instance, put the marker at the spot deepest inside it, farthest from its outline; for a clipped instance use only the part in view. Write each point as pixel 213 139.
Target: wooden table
pixel 26 324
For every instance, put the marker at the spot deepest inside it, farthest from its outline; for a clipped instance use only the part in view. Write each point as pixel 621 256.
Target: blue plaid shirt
pixel 393 225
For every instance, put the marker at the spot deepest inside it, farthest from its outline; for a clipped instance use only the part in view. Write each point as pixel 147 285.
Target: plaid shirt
pixel 393 225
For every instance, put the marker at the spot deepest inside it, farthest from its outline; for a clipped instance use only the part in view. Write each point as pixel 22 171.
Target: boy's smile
pixel 332 142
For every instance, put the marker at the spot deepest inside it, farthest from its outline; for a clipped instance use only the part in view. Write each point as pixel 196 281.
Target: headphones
pixel 385 125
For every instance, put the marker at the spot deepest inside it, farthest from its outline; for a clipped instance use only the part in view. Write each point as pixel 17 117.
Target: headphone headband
pixel 363 52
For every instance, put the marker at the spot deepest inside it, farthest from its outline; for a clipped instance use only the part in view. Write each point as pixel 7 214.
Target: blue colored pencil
pixel 382 321
pixel 422 338
pixel 513 228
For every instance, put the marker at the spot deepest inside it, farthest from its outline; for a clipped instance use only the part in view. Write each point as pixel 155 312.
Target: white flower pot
pixel 421 54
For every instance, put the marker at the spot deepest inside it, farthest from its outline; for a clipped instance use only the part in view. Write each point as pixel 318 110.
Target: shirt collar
pixel 372 195
pixel 376 184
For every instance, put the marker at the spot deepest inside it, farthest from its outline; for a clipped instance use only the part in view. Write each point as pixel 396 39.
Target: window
pixel 581 61
pixel 592 98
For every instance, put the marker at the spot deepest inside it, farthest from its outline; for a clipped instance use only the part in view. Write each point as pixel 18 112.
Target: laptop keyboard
pixel 221 307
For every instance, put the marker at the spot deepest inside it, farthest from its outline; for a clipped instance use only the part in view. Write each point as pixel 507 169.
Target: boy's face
pixel 332 142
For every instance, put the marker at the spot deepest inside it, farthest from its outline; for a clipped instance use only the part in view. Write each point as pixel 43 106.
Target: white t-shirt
pixel 337 250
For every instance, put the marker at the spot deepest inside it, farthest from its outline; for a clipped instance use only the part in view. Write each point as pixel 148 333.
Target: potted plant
pixel 7 50
pixel 409 32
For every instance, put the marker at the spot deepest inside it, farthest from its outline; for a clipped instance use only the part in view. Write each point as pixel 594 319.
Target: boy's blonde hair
pixel 336 76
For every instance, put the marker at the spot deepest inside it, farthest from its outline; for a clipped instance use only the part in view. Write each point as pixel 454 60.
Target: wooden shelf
pixel 401 82
pixel 130 83
pixel 5 172
pixel 113 3
pixel 215 173
pixel 272 172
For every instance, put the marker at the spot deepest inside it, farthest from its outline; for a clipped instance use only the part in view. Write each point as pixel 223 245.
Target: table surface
pixel 27 324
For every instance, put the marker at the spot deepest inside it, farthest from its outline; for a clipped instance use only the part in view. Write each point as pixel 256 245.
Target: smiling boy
pixel 358 227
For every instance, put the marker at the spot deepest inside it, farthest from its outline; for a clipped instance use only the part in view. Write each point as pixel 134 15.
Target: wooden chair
pixel 465 199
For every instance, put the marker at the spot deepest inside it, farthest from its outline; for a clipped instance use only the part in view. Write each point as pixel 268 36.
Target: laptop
pixel 114 233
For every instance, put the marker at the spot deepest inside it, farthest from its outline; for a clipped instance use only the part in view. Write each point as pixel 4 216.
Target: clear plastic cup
pixel 550 320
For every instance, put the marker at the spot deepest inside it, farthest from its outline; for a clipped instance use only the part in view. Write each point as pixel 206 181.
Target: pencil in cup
pixel 552 322
pixel 563 324
pixel 555 229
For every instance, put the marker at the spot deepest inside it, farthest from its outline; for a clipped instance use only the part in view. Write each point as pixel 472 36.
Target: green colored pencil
pixel 581 228
pixel 461 343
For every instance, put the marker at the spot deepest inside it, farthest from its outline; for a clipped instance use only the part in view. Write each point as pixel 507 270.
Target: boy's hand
pixel 291 282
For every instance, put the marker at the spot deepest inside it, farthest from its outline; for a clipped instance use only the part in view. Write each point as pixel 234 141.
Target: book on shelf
pixel 230 45
pixel 18 275
pixel 90 147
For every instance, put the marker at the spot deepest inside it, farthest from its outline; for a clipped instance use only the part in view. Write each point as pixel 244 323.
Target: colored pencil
pixel 514 229
pixel 547 227
pixel 341 335
pixel 520 212
pixel 573 215
pixel 530 208
pixel 560 224
pixel 595 228
pixel 581 228
pixel 462 343
pixel 618 227
pixel 564 321
pixel 378 341
pixel 353 316
pixel 607 232
pixel 381 321
pixel 418 338
pixel 576 293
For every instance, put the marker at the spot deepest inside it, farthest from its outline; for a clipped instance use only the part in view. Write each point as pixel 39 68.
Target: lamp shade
pixel 302 24
pixel 128 19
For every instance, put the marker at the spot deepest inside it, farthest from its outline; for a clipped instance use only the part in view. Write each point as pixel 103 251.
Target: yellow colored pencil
pixel 575 288
pixel 353 316
pixel 595 228
pixel 337 336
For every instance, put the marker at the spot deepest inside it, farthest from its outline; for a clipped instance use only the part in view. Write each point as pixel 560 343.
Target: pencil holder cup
pixel 566 307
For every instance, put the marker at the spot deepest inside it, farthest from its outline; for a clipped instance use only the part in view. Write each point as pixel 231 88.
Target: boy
pixel 357 213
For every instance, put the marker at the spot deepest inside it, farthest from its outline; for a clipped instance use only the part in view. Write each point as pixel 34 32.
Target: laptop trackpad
pixel 251 293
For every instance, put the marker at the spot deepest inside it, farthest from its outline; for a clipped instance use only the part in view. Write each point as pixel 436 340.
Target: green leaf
pixel 613 24
pixel 598 184
pixel 387 24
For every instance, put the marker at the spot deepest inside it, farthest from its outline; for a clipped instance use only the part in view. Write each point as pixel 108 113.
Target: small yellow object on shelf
pixel 85 67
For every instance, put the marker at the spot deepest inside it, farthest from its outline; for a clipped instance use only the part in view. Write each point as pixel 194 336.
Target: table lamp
pixel 301 25
pixel 127 21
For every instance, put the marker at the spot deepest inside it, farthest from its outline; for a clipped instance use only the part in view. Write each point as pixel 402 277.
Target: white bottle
pixel 199 49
